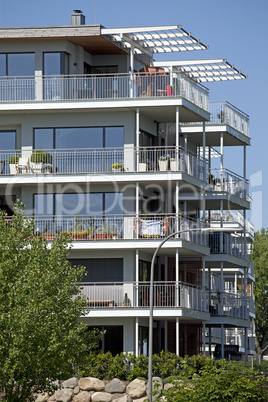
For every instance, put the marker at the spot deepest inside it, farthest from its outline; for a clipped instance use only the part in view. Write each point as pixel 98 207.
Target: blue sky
pixel 234 29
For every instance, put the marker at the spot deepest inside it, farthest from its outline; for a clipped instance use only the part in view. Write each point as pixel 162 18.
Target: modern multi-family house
pixel 119 150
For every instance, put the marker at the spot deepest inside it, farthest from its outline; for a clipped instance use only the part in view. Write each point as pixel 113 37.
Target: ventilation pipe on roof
pixel 78 18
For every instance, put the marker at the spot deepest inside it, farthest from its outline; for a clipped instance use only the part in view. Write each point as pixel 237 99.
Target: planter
pixel 13 168
pixel 172 162
pixel 48 236
pixel 142 167
pixel 100 236
pixel 163 165
pixel 116 170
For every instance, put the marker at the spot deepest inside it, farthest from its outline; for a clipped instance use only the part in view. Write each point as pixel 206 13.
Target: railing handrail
pixel 141 283
pixel 231 106
pixel 229 172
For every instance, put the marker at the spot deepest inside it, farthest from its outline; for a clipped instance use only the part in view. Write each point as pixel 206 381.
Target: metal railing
pixel 226 243
pixel 232 217
pixel 223 112
pixel 106 227
pixel 102 86
pixel 136 295
pixel 105 160
pixel 224 180
pixel 227 304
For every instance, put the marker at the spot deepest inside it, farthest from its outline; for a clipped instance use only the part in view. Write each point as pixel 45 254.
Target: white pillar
pixel 166 336
pixel 222 289
pixel 204 151
pixel 246 346
pixel 177 276
pixel 222 341
pixel 137 277
pixel 137 209
pixel 177 207
pixel 137 336
pixel 204 283
pixel 209 341
pixel 221 171
pixel 177 336
pixel 177 137
pixel 204 337
pixel 131 71
pixel 137 138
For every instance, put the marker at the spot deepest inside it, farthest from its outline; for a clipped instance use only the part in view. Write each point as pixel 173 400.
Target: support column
pixel 137 222
pixel 137 138
pixel 131 71
pixel 246 346
pixel 185 155
pixel 177 336
pixel 222 341
pixel 204 283
pixel 204 151
pixel 137 336
pixel 245 170
pixel 204 337
pixel 177 137
pixel 177 276
pixel 221 171
pixel 222 289
pixel 177 208
pixel 137 278
pixel 209 341
pixel 166 336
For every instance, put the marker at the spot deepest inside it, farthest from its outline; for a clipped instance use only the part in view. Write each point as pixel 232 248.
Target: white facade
pixel 122 167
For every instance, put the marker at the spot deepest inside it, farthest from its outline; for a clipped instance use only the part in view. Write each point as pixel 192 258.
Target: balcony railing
pixel 137 295
pixel 233 217
pixel 226 243
pixel 106 160
pixel 227 304
pixel 108 86
pixel 223 112
pixel 107 227
pixel 226 181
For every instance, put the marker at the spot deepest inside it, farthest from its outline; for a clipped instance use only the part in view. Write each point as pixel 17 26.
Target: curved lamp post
pixel 150 354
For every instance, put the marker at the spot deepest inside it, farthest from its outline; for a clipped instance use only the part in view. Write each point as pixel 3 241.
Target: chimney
pixel 78 18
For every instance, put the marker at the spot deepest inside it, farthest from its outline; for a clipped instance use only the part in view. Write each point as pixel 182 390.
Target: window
pixel 56 63
pixel 101 269
pixel 17 64
pixel 113 338
pixel 7 148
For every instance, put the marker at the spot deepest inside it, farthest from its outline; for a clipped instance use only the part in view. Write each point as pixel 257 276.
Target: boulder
pixel 137 388
pixel 70 383
pixel 91 384
pixel 83 396
pixel 115 386
pixel 101 397
pixel 124 398
pixel 42 397
pixel 157 387
pixel 76 390
pixel 64 395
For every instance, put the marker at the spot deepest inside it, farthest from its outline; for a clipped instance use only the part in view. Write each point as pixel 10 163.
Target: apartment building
pixel 119 150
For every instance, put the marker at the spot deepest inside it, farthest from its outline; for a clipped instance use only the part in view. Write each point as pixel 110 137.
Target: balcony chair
pixel 2 167
pixel 23 165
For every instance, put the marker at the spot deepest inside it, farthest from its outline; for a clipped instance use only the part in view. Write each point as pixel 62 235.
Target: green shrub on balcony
pixel 13 159
pixel 39 156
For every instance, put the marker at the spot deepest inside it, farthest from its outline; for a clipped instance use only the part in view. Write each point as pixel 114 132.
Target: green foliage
pixel 39 156
pixel 221 382
pixel 260 259
pixel 40 339
pixel 13 159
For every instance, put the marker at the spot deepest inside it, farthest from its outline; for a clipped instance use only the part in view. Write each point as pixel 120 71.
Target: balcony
pixel 222 180
pixel 225 113
pixel 99 87
pixel 137 295
pixel 124 227
pixel 229 305
pixel 227 243
pixel 231 217
pixel 104 160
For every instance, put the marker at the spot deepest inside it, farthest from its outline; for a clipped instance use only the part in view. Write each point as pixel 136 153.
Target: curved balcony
pixel 223 180
pixel 136 295
pixel 120 227
pixel 227 243
pixel 99 87
pixel 222 112
pixel 104 160
pixel 228 304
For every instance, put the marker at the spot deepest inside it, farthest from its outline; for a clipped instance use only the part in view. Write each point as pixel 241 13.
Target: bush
pixel 13 159
pixel 39 156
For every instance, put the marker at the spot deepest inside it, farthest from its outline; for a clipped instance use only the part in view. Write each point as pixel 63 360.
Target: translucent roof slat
pixel 204 70
pixel 160 39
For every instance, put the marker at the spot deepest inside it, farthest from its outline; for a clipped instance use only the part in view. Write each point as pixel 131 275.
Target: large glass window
pixel 80 149
pixel 7 149
pixel 17 64
pixel 56 63
pixel 101 269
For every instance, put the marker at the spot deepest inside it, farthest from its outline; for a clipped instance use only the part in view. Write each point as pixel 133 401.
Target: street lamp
pixel 150 354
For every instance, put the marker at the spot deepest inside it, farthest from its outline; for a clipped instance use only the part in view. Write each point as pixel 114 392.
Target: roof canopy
pixel 204 70
pixel 158 39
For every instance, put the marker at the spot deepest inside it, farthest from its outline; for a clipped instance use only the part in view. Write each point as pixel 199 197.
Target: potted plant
pixel 39 158
pixel 172 163
pixel 126 301
pixel 13 161
pixel 143 161
pixel 163 162
pixel 117 167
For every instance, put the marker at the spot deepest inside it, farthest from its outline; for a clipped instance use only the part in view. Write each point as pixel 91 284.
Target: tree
pixel 40 337
pixel 260 259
